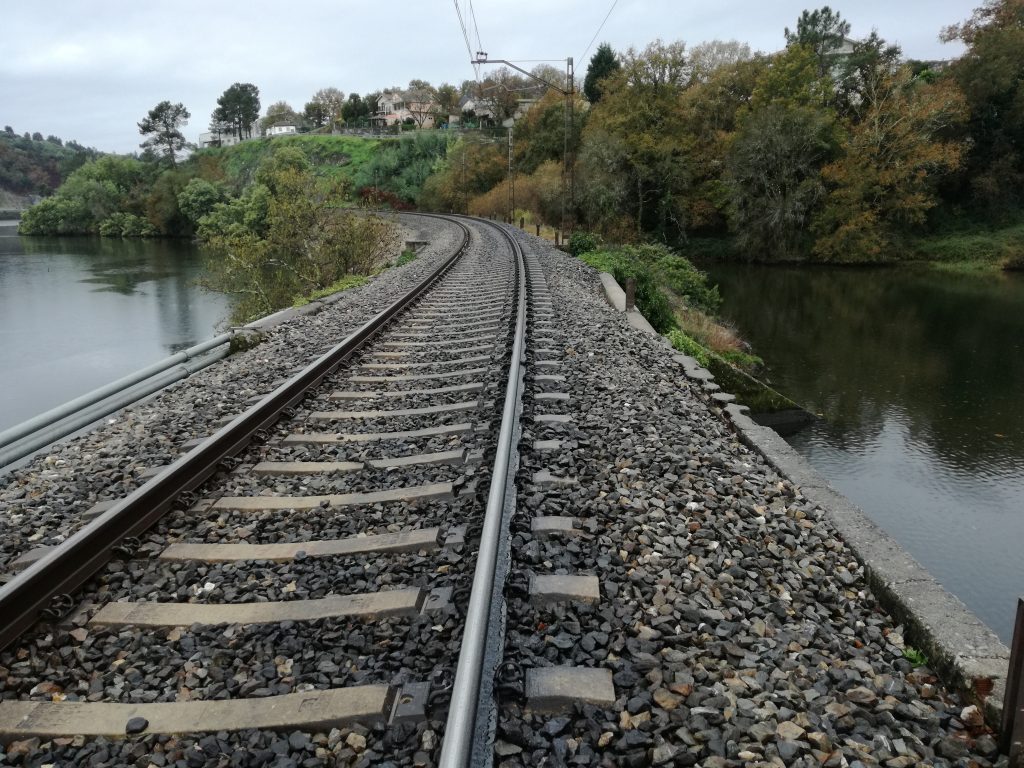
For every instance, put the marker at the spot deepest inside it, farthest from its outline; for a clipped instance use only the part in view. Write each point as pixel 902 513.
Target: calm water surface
pixel 919 379
pixel 77 313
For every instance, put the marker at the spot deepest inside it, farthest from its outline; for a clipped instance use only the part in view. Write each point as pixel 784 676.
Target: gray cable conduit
pixel 21 440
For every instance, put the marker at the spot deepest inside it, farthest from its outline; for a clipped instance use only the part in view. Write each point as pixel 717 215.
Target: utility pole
pixel 569 91
pixel 511 180
pixel 465 192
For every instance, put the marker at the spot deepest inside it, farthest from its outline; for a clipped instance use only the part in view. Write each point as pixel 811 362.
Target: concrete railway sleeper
pixel 279 578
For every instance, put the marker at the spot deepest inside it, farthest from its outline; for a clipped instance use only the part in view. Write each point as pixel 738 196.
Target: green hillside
pixel 121 196
pixel 330 156
pixel 32 166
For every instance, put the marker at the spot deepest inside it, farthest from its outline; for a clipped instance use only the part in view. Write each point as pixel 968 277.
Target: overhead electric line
pixel 583 58
pixel 472 16
pixel 465 36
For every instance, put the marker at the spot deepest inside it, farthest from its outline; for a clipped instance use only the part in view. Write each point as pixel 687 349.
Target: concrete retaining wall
pixel 959 646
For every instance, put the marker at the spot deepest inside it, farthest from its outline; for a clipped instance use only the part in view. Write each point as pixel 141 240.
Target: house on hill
pixel 218 139
pixel 281 129
pixel 399 106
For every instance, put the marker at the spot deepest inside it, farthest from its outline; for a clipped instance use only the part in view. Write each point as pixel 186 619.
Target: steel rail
pixel 458 734
pixel 73 562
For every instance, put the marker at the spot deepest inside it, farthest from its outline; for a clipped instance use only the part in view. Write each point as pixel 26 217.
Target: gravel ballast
pixel 42 502
pixel 737 626
pixel 78 661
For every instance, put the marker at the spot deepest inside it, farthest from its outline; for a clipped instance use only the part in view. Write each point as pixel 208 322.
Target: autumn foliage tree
pixel 634 154
pixel 885 182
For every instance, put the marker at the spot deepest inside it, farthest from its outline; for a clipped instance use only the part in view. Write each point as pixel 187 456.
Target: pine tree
pixel 603 64
pixel 163 127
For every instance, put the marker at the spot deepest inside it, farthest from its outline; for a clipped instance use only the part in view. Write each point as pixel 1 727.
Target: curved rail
pixel 457 744
pixel 71 563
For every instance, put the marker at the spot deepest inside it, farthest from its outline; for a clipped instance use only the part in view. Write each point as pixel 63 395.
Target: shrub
pixel 304 242
pixel 56 216
pixel 198 199
pixel 676 274
pixel 654 304
pixel 583 242
pixel 126 225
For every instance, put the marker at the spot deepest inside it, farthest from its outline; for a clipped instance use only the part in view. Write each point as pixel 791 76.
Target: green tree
pixel 447 96
pixel 774 176
pixel 711 111
pixel 540 133
pixel 643 170
pixel 163 126
pixel 238 109
pixel 792 79
pixel 861 76
pixel 602 65
pixel 325 108
pixel 355 110
pixel 280 113
pixel 198 198
pixel 991 75
pixel 98 189
pixel 823 31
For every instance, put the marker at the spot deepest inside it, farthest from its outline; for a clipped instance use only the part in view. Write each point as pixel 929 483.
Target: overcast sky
pixel 90 69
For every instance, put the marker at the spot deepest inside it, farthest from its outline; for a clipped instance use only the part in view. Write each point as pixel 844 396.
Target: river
pixel 77 313
pixel 918 377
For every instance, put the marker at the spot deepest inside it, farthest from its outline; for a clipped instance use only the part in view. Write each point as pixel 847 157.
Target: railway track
pixel 317 578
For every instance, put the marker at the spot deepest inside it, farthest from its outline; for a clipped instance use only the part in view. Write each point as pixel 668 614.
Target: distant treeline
pixel 33 165
pixel 833 149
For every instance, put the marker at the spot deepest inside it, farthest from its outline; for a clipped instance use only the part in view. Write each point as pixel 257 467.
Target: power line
pixel 472 15
pixel 583 58
pixel 465 36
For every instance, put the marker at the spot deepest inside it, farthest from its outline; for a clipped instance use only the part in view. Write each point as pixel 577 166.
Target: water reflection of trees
pixel 944 350
pixel 115 265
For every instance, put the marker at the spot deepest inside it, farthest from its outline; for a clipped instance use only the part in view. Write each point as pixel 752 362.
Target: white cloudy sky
pixel 90 69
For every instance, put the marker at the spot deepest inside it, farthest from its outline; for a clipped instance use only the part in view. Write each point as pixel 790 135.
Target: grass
pixel 347 282
pixel 406 257
pixel 330 156
pixel 915 657
pixel 749 391
pixel 973 247
pixel 602 261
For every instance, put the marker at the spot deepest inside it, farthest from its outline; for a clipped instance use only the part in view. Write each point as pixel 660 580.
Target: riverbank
pixel 942 629
pixel 973 249
pixel 914 376
pixel 958 247
pixel 680 304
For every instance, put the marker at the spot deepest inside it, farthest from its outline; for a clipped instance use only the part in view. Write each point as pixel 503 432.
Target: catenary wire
pixel 607 15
